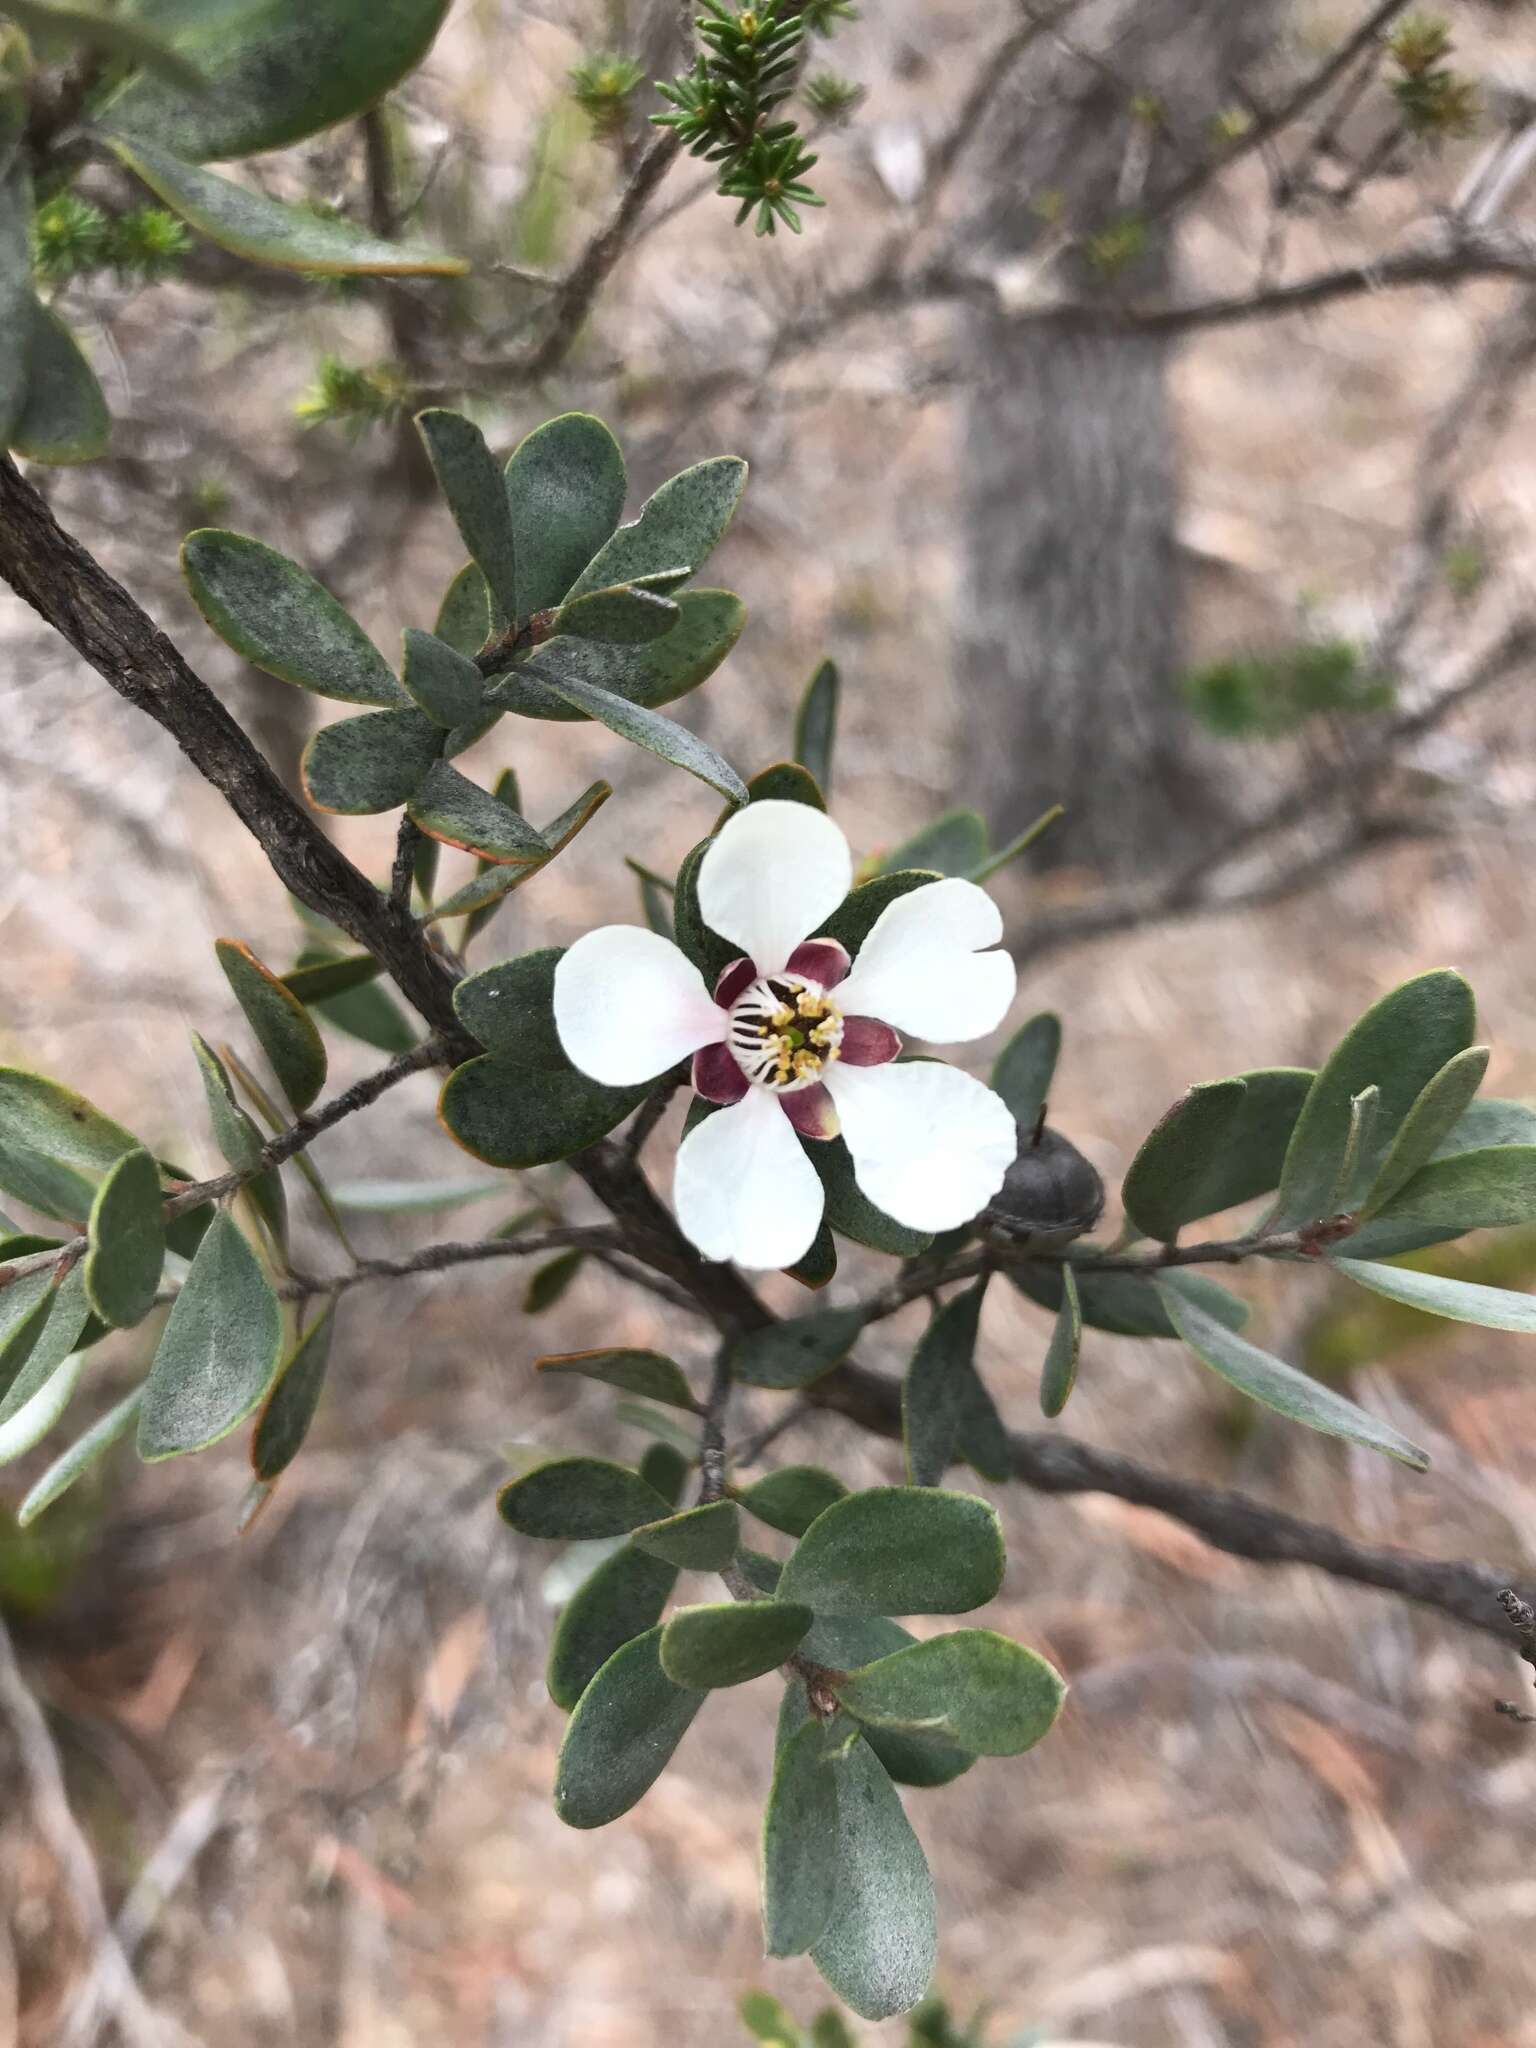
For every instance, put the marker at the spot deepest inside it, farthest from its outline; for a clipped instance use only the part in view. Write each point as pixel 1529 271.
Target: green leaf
pixel 819 1265
pixel 1221 1144
pixel 621 1737
pixel 411 1197
pixel 1439 1110
pixel 565 485
pixel 81 1455
pixel 271 74
pixel 981 1690
pixel 1124 1304
pixel 449 807
pixel 373 763
pixel 284 1029
pixel 49 1321
pixel 276 615
pixel 786 782
pixel 1462 1301
pixel 54 1145
pixel 767 2021
pixel 1275 1384
pixel 800 1844
pixel 1399 1045
pixel 1482 1190
pixel 234 1133
pixel 681 522
pixel 110 35
pixel 798 1351
pixel 701 1539
pixel 25 1308
pixel 17 299
pixel 463 619
pixel 510 1009
pixel 930 1393
pixel 816 723
pixel 471 480
pixel 951 845
pixel 622 616
pixel 290 1407
pixel 705 948
pixel 31 1421
pixel 127 1241
pixel 445 684
pixel 1058 1375
pixel 549 1282
pixel 792 1498
pixel 849 1210
pixel 659 672
pixel 484 891
pixel 731 1641
pixel 981 1438
pixel 853 921
pixel 898 1550
pixel 320 980
pixel 63 417
pixel 577 1498
pixel 1026 1067
pixel 649 1374
pixel 221 1349
pixel 1487 1122
pixel 673 743
pixel 925 1761
pixel 1005 856
pixel 264 230
pixel 618 1601
pixel 512 1115
pixel 879 1948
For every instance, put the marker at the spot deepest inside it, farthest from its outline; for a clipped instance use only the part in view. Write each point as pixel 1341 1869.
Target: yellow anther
pixel 781 1019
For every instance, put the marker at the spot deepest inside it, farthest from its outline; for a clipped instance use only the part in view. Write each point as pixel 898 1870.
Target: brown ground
pixel 1277 1814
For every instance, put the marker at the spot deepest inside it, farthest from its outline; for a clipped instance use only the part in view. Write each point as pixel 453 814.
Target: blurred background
pixel 1250 593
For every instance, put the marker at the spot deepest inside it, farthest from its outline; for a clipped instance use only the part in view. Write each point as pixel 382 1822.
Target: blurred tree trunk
pixel 1071 630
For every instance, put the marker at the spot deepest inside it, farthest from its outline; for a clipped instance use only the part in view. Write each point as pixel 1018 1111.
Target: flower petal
pixel 866 1042
pixel 716 1075
pixel 629 1005
pixel 734 981
pixel 823 960
pixel 812 1111
pixel 744 1190
pixel 773 873
pixel 930 1145
pixel 920 968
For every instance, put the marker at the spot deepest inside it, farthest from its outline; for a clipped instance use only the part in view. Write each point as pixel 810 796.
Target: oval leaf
pixel 680 522
pixel 578 1498
pixel 649 1374
pixel 374 763
pixel 1463 1301
pixel 800 1843
pixel 1058 1375
pixel 64 415
pixel 512 1115
pixel 728 1643
pixel 221 1348
pixel 284 1029
pixel 791 1499
pixel 472 482
pixel 701 1539
pixel 565 486
pixel 618 1601
pixel 291 1405
pixel 931 1391
pixel 127 1241
pixel 74 1463
pixel 621 1737
pixel 898 1550
pixel 880 1945
pixel 798 1351
pixel 664 737
pixel 1434 1116
pixel 816 724
pixel 976 1688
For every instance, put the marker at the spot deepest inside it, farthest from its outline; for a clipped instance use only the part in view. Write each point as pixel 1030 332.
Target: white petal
pixel 744 1189
pixel 629 1005
pixel 773 873
pixel 920 968
pixel 930 1145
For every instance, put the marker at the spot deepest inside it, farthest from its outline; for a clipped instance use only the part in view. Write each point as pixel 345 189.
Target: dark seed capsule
pixel 1050 1195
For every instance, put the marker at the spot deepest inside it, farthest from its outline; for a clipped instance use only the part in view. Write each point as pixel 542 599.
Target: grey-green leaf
pixel 953 844
pixel 126 1241
pixel 931 1391
pixel 731 1641
pixel 1277 1385
pixel 444 683
pixel 798 1351
pixel 622 1735
pixel 618 1601
pixel 510 1009
pixel 1398 1046
pixel 283 1026
pixel 663 737
pixel 274 613
pixel 898 1550
pixel 1124 1304
pixel 373 763
pixel 291 1405
pixel 54 1145
pixel 1165 1186
pixel 650 1374
pixel 64 415
pixel 621 617
pixel 565 485
pixel 976 1688
pixel 681 522
pixel 81 1455
pixel 791 1498
pixel 701 1539
pixel 1058 1375
pixel 880 1945
pixel 659 672
pixel 1458 1192
pixel 473 483
pixel 264 230
pixel 1462 1301
pixel 220 1352
pixel 1440 1108
pixel 578 1498
pixel 511 1115
pixel 800 1843
pixel 233 1131
pixel 816 724
pixel 449 807
pixel 1026 1067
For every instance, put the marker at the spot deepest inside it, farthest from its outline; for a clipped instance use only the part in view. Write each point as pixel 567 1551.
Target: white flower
pixel 797 1042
